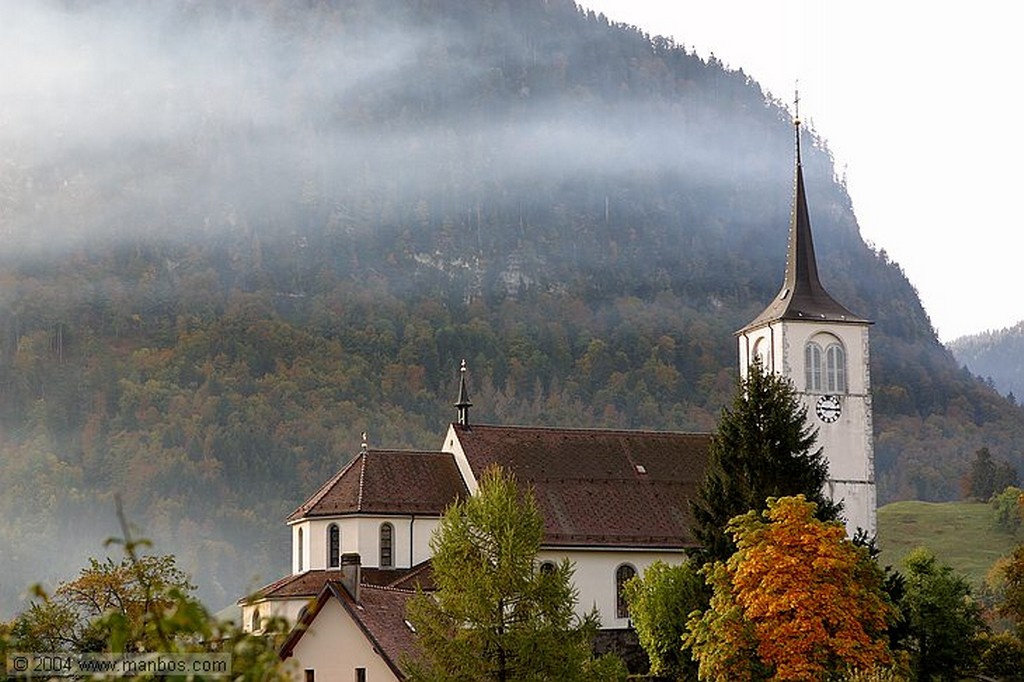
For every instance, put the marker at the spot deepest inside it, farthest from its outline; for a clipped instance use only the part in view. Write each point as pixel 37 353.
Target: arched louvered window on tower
pixel 387 540
pixel 835 368
pixel 812 367
pixel 300 550
pixel 622 574
pixel 825 366
pixel 256 623
pixel 333 546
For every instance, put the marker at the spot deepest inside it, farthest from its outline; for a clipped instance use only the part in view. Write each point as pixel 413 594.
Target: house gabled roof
pixel 802 296
pixel 309 584
pixel 387 482
pixel 379 614
pixel 599 487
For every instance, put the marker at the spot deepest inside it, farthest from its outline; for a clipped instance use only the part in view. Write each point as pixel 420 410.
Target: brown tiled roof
pixel 295 586
pixel 598 487
pixel 420 575
pixel 380 614
pixel 388 482
pixel 310 583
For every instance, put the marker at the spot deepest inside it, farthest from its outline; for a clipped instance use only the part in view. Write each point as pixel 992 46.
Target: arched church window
pixel 387 539
pixel 622 574
pixel 547 567
pixel 256 621
pixel 300 550
pixel 333 546
pixel 761 352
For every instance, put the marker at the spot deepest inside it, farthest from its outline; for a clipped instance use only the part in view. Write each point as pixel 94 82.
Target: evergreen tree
pixel 988 477
pixel 495 616
pixel 944 621
pixel 763 448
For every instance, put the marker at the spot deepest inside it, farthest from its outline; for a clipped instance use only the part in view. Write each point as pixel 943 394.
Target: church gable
pixel 597 487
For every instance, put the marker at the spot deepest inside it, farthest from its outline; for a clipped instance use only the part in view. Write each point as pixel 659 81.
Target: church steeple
pixel 802 296
pixel 463 404
pixel 823 349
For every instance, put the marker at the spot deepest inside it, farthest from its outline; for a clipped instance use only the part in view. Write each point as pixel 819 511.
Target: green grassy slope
pixel 962 534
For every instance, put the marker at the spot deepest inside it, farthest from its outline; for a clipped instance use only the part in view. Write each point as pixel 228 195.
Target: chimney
pixel 351 574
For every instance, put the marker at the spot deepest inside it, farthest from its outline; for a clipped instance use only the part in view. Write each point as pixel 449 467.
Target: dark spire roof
pixel 463 404
pixel 802 296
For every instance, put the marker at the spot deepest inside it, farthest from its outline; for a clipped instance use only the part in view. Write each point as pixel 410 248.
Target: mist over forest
pixel 238 234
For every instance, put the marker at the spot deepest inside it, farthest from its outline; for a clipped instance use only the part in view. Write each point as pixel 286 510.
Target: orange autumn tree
pixel 797 601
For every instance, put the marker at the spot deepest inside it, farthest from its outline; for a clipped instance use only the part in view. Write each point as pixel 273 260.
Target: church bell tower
pixel 809 337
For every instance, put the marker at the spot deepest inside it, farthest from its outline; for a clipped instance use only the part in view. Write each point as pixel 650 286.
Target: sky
pixel 920 105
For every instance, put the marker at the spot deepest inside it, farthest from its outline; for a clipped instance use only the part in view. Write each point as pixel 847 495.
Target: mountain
pixel 996 356
pixel 238 234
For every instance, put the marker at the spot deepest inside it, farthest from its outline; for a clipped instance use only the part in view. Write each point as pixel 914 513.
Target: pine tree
pixel 763 448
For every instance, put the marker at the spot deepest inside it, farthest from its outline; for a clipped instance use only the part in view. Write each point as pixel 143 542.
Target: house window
pixel 825 369
pixel 256 622
pixel 310 675
pixel 622 574
pixel 300 550
pixel 333 546
pixel 387 539
pixel 360 674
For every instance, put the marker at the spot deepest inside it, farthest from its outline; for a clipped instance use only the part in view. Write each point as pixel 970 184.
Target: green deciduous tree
pixel 763 448
pixel 659 603
pixel 1012 606
pixel 78 615
pixel 1008 507
pixel 943 620
pixel 1002 658
pixel 140 604
pixel 797 601
pixel 494 615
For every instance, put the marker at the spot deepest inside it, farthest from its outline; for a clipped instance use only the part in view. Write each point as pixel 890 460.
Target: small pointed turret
pixel 802 296
pixel 463 404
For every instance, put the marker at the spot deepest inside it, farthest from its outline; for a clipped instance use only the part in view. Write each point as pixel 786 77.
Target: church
pixel 613 501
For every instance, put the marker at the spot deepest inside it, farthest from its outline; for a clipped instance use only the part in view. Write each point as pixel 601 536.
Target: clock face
pixel 828 408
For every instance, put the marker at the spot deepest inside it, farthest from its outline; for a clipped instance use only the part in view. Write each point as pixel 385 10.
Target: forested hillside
pixel 996 356
pixel 238 234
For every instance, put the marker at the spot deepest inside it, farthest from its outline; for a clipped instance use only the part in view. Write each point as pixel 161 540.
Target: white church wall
pixel 453 446
pixel 410 539
pixel 361 535
pixel 594 575
pixel 287 609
